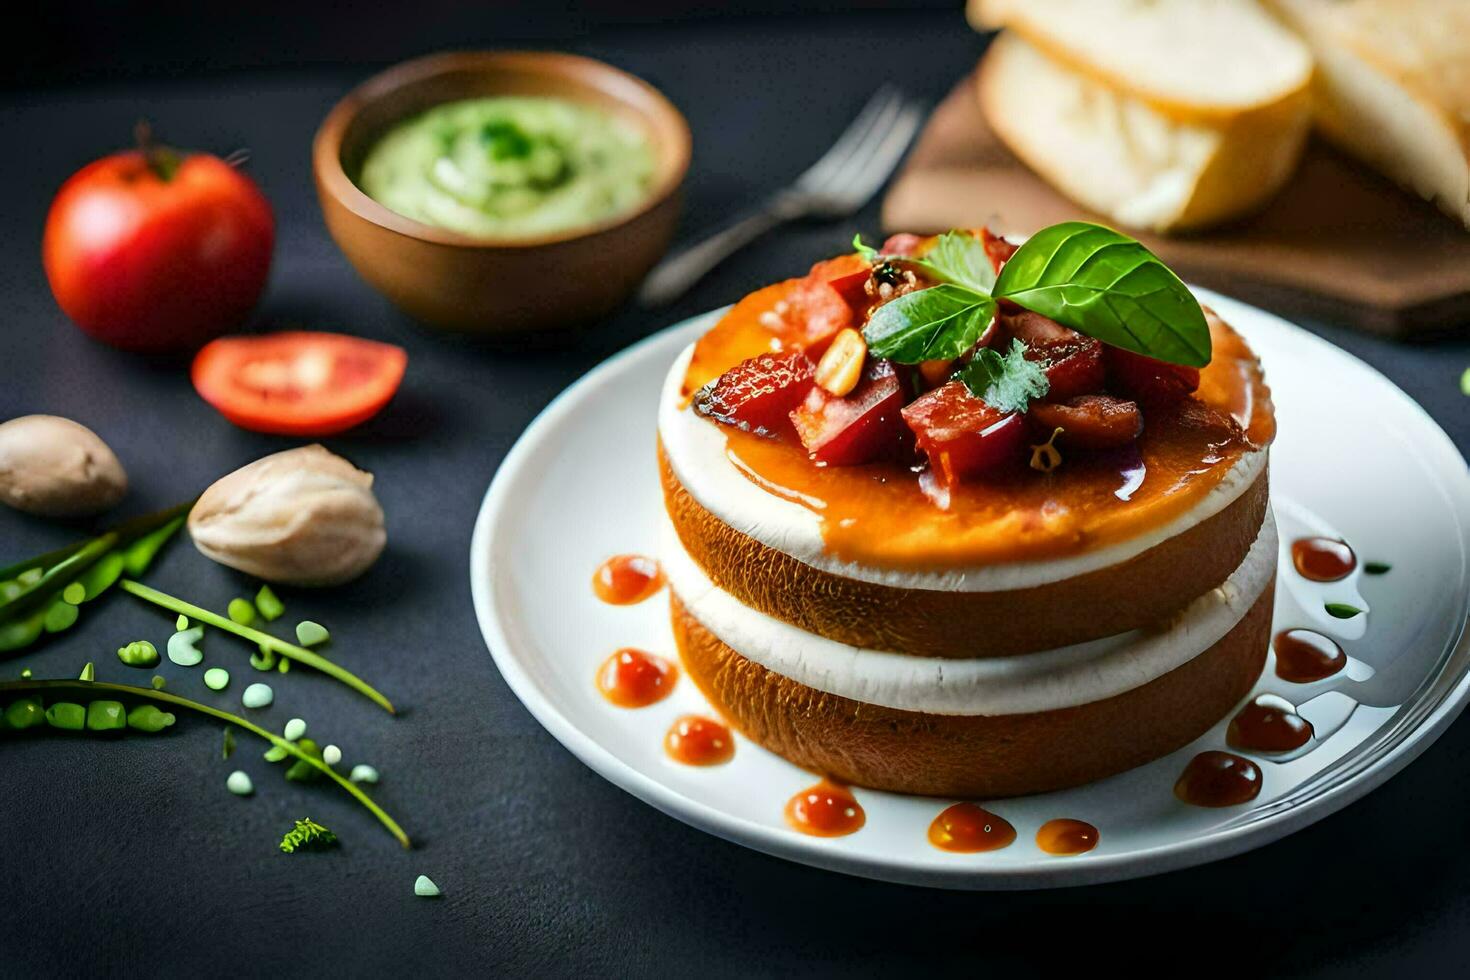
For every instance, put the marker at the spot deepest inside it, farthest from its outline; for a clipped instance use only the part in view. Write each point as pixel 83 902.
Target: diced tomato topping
pixel 962 435
pixel 817 305
pixel 902 244
pixel 1090 421
pixel 997 249
pixel 853 290
pixel 1033 328
pixel 1148 380
pixel 864 426
pixel 1073 367
pixel 758 394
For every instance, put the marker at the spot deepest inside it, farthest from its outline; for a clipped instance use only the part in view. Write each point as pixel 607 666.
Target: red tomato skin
pixel 151 265
pixel 212 379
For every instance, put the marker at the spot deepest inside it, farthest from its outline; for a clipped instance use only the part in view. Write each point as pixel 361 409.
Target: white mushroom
pixel 57 468
pixel 301 517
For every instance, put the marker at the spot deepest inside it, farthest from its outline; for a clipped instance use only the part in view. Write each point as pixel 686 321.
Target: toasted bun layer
pixel 975 755
pixel 1143 590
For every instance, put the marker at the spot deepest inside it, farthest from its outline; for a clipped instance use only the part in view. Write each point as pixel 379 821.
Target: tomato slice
pixel 298 383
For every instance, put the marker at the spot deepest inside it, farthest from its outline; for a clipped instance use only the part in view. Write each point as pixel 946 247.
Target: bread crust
pixel 975 756
pixel 1145 589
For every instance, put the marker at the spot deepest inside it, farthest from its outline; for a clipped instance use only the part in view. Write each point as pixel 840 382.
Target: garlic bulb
pixel 301 517
pixel 57 468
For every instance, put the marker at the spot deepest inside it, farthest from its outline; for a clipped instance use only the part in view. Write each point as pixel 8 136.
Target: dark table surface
pixel 129 857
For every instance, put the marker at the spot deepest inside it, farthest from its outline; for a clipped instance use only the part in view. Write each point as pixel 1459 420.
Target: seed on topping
pixel 1044 456
pixel 840 368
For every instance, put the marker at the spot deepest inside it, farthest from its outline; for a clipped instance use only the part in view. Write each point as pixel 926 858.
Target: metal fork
pixel 836 186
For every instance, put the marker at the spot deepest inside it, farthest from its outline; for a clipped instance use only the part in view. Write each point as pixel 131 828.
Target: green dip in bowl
pixel 510 166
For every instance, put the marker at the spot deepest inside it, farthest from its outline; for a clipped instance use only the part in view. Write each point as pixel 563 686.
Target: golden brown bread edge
pixel 1144 590
pixel 973 755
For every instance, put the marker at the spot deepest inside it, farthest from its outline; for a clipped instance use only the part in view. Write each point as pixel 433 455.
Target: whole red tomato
pixel 152 251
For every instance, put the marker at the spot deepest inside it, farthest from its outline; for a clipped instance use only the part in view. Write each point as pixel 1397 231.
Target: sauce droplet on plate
pixel 1218 779
pixel 1066 836
pixel 1268 724
pixel 698 741
pixel 825 810
pixel 967 828
pixel 623 580
pixel 1303 656
pixel 635 679
pixel 1322 559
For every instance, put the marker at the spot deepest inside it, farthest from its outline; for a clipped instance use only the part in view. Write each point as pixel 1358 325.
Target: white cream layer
pixel 696 451
pixel 1043 681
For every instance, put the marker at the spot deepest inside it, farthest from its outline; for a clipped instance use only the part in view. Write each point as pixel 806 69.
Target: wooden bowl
pixel 501 286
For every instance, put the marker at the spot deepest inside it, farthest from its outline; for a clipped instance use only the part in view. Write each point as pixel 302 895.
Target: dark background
pixel 129 858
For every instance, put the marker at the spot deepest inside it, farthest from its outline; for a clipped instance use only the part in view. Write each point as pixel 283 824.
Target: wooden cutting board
pixel 1339 243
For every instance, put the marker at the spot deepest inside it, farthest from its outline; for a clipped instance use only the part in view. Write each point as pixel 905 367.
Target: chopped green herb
pixel 263 659
pixel 275 754
pixel 158 682
pixel 309 634
pixel 1341 610
pixel 423 887
pixel 302 772
pixel 181 648
pixel 295 728
pixel 88 672
pixel 139 653
pixel 283 665
pixel 241 611
pixel 935 324
pixel 269 606
pixel 27 712
pixel 1465 382
pixel 307 835
pixel 1006 382
pixel 1377 567
pixel 363 773
pixel 216 678
pixel 264 640
pixel 227 748
pixel 182 623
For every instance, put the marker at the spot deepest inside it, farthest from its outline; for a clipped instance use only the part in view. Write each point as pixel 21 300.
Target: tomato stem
pixel 162 160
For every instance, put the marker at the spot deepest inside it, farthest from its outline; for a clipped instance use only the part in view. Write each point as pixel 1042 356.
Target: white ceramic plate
pixel 1355 457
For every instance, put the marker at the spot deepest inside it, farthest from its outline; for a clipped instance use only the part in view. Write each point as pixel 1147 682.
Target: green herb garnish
pixel 1377 567
pixel 1084 276
pixel 1341 610
pixel 307 835
pixel 935 324
pixel 264 641
pixel 26 712
pixel 1465 382
pixel 1005 382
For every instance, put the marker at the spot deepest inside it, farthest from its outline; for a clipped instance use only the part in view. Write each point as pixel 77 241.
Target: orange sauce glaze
pixel 1322 559
pixel 827 809
pixel 1215 779
pixel 1303 656
pixel 635 679
pixel 967 828
pixel 1065 836
pixel 879 514
pixel 698 741
pixel 623 580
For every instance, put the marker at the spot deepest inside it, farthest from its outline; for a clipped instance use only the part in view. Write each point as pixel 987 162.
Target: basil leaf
pixel 935 324
pixel 1005 382
pixel 1110 287
pixel 959 257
